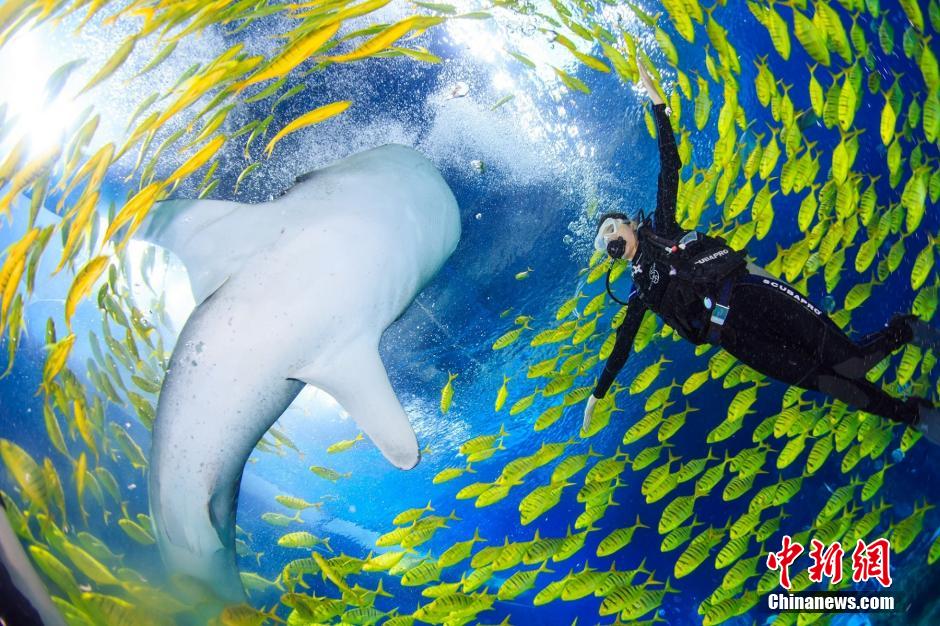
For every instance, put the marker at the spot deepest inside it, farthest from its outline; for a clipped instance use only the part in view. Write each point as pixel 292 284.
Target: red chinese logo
pixel 869 561
pixel 783 559
pixel 827 561
pixel 872 560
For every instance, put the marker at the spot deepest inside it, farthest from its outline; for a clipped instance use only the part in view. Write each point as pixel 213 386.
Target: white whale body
pixel 290 292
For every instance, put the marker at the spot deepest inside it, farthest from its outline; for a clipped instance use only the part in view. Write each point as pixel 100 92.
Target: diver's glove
pixel 588 413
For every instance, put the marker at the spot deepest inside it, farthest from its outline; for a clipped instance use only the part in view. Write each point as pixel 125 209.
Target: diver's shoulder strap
pixel 667 243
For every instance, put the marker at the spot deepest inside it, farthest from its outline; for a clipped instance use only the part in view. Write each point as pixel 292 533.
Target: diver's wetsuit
pixel 770 326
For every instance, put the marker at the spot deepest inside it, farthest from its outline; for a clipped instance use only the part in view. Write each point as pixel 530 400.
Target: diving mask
pixel 607 229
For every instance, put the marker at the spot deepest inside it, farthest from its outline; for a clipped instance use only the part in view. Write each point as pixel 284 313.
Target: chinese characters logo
pixel 870 561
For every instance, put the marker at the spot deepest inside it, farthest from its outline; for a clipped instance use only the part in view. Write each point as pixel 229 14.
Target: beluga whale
pixel 291 292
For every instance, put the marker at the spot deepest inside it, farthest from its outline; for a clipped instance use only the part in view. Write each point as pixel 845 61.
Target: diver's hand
pixel 588 413
pixel 648 82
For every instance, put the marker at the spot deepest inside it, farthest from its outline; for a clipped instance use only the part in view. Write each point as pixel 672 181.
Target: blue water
pixel 522 212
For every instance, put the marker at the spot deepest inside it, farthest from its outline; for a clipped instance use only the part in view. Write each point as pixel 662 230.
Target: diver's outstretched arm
pixel 626 333
pixel 667 188
pixel 648 83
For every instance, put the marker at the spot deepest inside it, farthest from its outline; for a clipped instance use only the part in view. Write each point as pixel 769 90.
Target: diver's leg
pixel 853 359
pixel 766 355
pixel 771 324
pixel 777 334
pixel 794 366
pixel 918 413
pixel 758 333
pixel 861 394
pixel 788 362
pixel 781 309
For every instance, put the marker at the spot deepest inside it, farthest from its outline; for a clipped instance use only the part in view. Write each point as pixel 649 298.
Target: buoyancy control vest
pixel 696 265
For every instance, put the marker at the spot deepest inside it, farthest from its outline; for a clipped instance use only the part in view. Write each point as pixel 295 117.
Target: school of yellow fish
pixel 846 225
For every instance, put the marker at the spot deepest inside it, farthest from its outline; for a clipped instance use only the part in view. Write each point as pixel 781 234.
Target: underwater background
pixel 783 153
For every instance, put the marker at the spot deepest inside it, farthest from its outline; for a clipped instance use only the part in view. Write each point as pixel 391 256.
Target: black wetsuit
pixel 769 326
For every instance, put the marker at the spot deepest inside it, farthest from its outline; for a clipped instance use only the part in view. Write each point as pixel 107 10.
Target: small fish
pixel 459 551
pixel 385 38
pixel 502 101
pixel 645 378
pixel 509 337
pixel 197 160
pixel 540 500
pixel 307 119
pixel 393 537
pixel 568 307
pixel 422 574
pixel 410 515
pixel 59 77
pixel 244 174
pixel 117 59
pixel 284 440
pixel 450 473
pixel 292 56
pixel 279 519
pixel 254 582
pixel 502 394
pixel 473 490
pixel 524 274
pixel 27 473
pixel 82 284
pixel 519 582
pixel 298 504
pixel 136 532
pixel 342 446
pixel 303 539
pixel 383 562
pixel 447 393
pixel 904 532
pixel 87 564
pixel 245 615
pixel 482 442
pixel 328 474
pixel 570 81
pixel 618 539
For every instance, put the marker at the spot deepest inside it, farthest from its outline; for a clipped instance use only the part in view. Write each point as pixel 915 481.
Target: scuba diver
pixel 709 293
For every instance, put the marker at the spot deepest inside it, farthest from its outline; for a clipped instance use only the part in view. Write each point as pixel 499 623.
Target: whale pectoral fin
pixel 192 230
pixel 359 382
